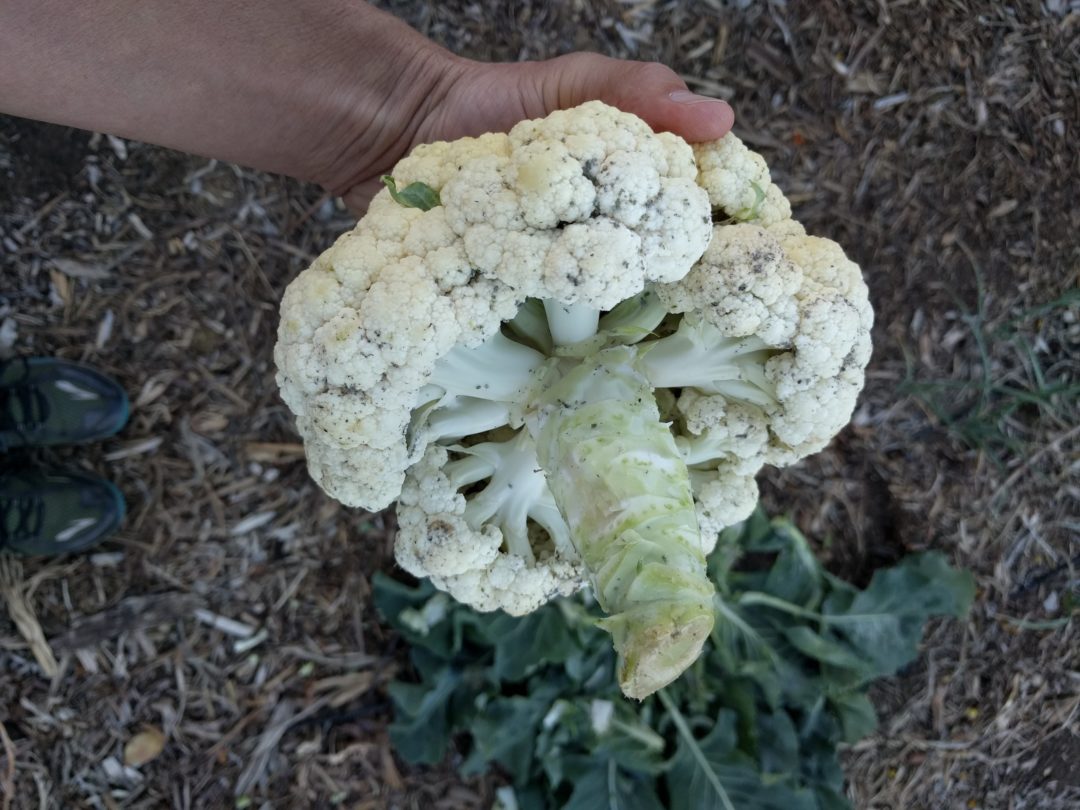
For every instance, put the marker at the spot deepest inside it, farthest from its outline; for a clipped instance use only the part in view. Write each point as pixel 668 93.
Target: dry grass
pixel 936 142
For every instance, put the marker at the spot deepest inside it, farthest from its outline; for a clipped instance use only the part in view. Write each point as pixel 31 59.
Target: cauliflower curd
pixel 565 352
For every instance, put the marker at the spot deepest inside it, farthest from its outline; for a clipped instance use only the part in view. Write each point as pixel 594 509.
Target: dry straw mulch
pixel 224 643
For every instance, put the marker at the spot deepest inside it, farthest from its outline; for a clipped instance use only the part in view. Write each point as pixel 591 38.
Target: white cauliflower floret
pixel 744 284
pixel 433 538
pixel 626 202
pixel 575 264
pixel 479 549
pixel 435 163
pixel 679 161
pixel 621 195
pixel 720 431
pixel 723 498
pixel 312 299
pixel 550 186
pixel 666 252
pixel 354 418
pixel 738 181
pixel 824 262
pixel 771 350
pixel 356 475
pixel 480 307
pixel 512 585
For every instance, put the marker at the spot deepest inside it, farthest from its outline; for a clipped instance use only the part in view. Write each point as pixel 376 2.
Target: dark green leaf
pixel 827 650
pixel 395 601
pixel 565 731
pixel 392 597
pixel 736 639
pixel 783 675
pixel 712 774
pixel 856 715
pixel 796 574
pixel 415 195
pixel 505 731
pixel 542 637
pixel 778 749
pixel 820 767
pixel 532 797
pixel 608 787
pixel 885 622
pixel 832 799
pixel 743 696
pixel 631 742
pixel 759 533
pixel 422 728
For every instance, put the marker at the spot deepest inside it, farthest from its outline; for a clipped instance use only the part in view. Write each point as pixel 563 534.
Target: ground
pixel 226 635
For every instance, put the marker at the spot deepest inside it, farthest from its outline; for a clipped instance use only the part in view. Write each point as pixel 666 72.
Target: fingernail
pixel 686 97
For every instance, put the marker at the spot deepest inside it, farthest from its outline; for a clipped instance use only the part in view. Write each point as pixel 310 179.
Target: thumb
pixel 650 90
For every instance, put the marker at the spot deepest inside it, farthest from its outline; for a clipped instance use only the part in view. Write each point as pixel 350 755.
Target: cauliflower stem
pixel 593 464
pixel 615 471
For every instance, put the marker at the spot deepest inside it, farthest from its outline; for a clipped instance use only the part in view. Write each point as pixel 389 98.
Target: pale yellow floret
pixel 735 177
pixel 723 498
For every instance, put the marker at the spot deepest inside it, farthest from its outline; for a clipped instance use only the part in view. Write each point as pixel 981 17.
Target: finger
pixel 650 90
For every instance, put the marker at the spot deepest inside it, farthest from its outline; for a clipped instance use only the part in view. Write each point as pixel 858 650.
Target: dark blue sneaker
pixel 56 513
pixel 45 401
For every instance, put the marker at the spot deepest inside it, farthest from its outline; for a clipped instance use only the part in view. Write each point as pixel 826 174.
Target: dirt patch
pixel 48 158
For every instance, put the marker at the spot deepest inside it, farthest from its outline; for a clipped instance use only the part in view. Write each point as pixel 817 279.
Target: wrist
pixel 375 103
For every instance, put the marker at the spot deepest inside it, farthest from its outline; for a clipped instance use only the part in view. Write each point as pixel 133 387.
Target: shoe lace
pixel 21 517
pixel 23 408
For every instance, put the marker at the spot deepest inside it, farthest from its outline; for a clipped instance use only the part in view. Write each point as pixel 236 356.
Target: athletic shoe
pixel 45 401
pixel 56 512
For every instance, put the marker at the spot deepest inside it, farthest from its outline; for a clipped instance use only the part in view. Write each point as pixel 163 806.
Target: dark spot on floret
pixel 439 530
pixel 760 256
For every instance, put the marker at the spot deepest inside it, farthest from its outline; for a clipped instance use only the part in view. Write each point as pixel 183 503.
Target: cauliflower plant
pixel 565 352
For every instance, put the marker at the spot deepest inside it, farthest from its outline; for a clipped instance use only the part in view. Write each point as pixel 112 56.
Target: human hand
pixel 470 98
pixel 333 91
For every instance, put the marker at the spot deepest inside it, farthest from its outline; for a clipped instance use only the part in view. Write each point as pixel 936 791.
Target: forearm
pixel 278 85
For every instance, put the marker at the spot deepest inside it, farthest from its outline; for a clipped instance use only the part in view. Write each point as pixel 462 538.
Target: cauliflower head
pixel 566 351
pixel 582 207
